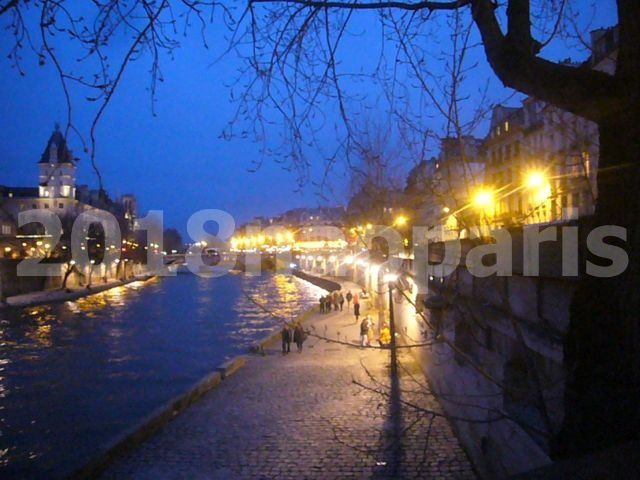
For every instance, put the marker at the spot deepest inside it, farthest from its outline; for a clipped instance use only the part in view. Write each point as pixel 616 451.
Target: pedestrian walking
pixel 349 298
pixel 341 300
pixel 286 339
pixel 299 336
pixel 356 306
pixel 335 300
pixel 364 332
pixel 322 304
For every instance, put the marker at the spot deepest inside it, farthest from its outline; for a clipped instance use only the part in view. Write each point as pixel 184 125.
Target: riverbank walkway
pixel 67 294
pixel 303 416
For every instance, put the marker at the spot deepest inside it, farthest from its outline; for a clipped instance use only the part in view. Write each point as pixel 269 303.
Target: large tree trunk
pixel 602 347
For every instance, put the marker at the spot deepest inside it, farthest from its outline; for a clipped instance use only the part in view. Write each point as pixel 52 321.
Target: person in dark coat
pixel 322 300
pixel 356 306
pixel 286 339
pixel 299 336
pixel 349 298
pixel 341 300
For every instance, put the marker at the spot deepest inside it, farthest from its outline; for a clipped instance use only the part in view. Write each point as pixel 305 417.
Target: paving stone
pixel 301 416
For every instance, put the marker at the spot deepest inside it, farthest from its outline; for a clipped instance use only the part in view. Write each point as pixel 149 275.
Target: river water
pixel 75 374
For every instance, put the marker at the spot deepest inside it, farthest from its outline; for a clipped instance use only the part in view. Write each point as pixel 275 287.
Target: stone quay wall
pixel 499 360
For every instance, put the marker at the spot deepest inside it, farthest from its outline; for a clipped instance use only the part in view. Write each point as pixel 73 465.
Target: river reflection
pixel 74 374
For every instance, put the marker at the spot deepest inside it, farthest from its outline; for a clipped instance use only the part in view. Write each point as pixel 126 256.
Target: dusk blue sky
pixel 175 161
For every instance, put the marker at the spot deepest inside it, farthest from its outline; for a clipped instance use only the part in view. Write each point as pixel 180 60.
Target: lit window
pixel 506 126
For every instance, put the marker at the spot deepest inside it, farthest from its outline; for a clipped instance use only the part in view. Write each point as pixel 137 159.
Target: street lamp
pixel 391 278
pixel 483 199
pixel 535 179
pixel 538 182
pixel 400 221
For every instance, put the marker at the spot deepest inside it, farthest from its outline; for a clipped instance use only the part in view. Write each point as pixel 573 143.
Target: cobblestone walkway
pixel 302 416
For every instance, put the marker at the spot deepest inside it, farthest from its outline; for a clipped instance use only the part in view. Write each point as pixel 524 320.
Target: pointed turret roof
pixel 57 150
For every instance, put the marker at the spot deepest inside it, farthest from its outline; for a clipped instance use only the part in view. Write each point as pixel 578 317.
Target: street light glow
pixel 483 199
pixel 536 180
pixel 390 277
pixel 401 221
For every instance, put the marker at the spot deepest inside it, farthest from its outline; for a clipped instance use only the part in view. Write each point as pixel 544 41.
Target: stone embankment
pixel 63 295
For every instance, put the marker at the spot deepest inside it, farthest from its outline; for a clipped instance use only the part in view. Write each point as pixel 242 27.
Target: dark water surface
pixel 74 374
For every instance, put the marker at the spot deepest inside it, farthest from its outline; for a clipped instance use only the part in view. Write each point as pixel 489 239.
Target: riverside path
pixel 303 416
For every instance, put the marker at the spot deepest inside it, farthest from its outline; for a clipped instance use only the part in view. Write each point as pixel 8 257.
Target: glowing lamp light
pixel 348 260
pixel 400 221
pixel 7 249
pixel 390 277
pixel 92 261
pixel 446 209
pixel 535 180
pixel 543 193
pixel 72 262
pixel 483 199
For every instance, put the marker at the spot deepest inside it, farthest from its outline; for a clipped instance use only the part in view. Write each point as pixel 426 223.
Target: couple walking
pixel 297 334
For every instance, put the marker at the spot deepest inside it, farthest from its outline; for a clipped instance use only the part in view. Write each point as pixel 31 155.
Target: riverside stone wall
pixel 12 284
pixel 499 359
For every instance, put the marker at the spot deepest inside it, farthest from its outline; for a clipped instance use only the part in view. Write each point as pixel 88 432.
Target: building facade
pixel 542 161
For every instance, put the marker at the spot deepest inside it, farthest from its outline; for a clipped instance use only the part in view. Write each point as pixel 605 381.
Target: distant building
pixel 543 161
pixel 56 189
pixel 438 189
pixel 298 217
pixel 58 193
pixel 57 169
pixel 130 205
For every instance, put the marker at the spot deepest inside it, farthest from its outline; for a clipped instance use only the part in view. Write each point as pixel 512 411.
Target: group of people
pixel 295 334
pixel 335 301
pixel 332 301
pixel 367 333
